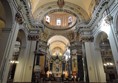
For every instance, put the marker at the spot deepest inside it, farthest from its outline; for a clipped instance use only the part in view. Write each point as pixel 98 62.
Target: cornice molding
pixel 108 19
pixel 33 37
pixel 85 35
pixel 6 29
pixel 103 5
pixel 86 38
pixel 24 15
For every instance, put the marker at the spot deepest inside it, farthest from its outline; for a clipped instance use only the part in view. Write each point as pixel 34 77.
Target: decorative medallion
pixel 18 18
pixel 60 3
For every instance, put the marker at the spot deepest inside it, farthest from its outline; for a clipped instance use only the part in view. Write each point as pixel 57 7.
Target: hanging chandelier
pixel 60 3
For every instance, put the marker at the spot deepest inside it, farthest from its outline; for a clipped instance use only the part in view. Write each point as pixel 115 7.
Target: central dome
pixel 59 20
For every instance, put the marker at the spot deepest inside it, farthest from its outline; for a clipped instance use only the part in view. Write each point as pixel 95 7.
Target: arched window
pixel 58 22
pixel 47 19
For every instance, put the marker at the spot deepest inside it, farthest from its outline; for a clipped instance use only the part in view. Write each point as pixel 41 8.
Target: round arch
pixel 58 38
pixel 6 13
pixel 116 22
pixel 100 35
pixel 59 42
pixel 6 23
pixel 22 37
pixel 104 54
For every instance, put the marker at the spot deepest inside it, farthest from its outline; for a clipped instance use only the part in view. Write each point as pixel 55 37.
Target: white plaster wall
pixel 9 50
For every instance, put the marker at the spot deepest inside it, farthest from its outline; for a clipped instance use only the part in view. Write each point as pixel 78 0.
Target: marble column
pixel 51 66
pixel 37 55
pixel 69 65
pixel 80 68
pixel 86 79
pixel 92 73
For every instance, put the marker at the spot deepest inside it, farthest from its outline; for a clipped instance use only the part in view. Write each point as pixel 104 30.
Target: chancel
pixel 58 41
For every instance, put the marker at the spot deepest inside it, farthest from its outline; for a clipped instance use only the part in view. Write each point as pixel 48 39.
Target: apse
pixel 58 45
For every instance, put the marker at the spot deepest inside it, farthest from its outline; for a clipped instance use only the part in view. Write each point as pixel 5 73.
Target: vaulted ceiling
pixel 82 8
pixel 84 4
pixel 58 43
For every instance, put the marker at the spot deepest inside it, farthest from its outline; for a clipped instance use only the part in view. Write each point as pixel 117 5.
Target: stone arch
pixel 18 52
pixel 59 38
pixel 6 13
pixel 116 22
pixel 22 37
pixel 59 42
pixel 103 53
pixel 98 38
pixel 98 61
pixel 6 23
